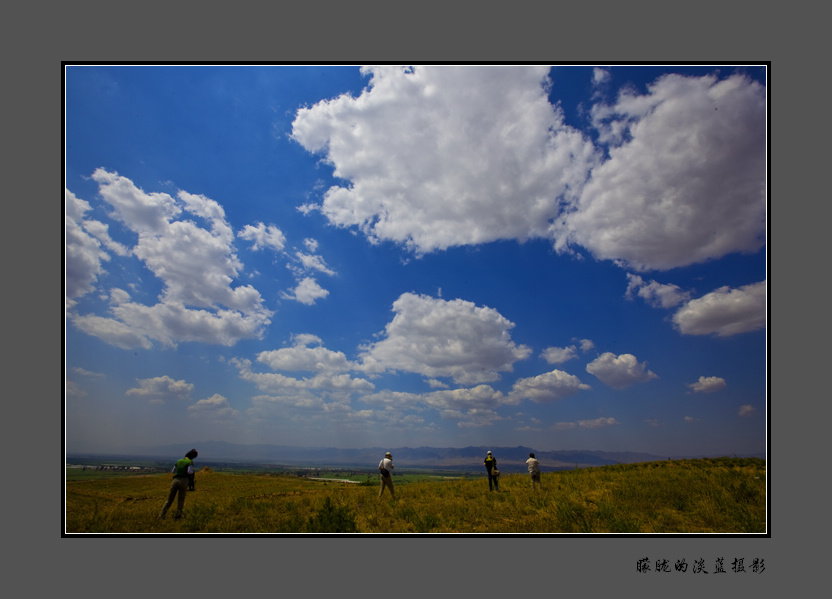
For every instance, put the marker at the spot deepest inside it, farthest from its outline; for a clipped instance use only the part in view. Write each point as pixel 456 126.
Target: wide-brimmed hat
pixel 388 455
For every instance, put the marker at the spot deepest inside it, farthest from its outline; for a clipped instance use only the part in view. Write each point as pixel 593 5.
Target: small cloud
pixel 558 355
pixel 74 390
pixel 747 410
pixel 548 387
pixel 307 292
pixel 311 262
pixel 597 423
pixel 708 384
pixel 600 75
pixel 656 294
pixel 621 371
pixel 161 388
pixel 585 424
pixel 305 209
pixel 84 372
pixel 586 345
pixel 564 426
pixel 263 236
pixel 215 406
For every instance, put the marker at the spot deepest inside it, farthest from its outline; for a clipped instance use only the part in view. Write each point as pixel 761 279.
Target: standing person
pixel 384 468
pixel 534 470
pixel 181 470
pixel 491 466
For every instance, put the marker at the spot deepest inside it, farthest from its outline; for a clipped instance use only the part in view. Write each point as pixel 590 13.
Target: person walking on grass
pixel 534 470
pixel 181 470
pixel 384 469
pixel 491 467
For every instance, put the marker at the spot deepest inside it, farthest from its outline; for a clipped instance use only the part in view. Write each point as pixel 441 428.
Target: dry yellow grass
pixel 686 496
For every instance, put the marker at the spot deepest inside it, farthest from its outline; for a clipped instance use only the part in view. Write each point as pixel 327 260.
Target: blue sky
pixel 567 257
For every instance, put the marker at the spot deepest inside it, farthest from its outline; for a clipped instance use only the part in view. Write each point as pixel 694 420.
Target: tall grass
pixel 685 496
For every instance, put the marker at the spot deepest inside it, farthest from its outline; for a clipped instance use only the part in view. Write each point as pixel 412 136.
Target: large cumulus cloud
pixel 685 181
pixel 445 338
pixel 447 156
pixel 434 157
pixel 187 244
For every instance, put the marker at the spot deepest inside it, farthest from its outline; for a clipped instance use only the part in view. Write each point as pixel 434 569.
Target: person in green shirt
pixel 181 470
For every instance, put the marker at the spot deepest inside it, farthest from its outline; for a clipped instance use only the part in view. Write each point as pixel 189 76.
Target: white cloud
pixel 481 397
pixel 263 406
pixel 621 371
pixel 313 262
pixel 724 312
pixel 111 331
pixel 162 388
pixel 600 75
pixel 655 294
pixel 101 232
pixel 144 213
pixel 564 426
pixel 216 407
pixel 468 406
pixel 548 387
pixel 325 381
pixel 438 338
pixel 83 254
pixel 197 267
pixel 708 384
pixel 587 345
pixel 73 389
pixel 435 157
pixel 476 418
pixel 306 292
pixel 444 156
pixel 559 355
pixel 170 323
pixel 85 372
pixel 585 424
pixel 685 181
pixel 597 423
pixel 747 410
pixel 263 236
pixel 301 357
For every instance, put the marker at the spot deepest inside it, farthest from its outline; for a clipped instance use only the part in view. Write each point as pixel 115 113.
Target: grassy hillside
pixel 725 495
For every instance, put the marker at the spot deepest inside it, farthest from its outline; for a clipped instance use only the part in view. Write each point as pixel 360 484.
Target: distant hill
pixel 508 458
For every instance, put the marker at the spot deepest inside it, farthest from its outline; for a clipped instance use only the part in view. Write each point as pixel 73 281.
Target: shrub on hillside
pixel 331 518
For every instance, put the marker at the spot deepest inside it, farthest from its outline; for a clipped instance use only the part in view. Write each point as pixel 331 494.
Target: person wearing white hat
pixel 491 466
pixel 534 470
pixel 384 468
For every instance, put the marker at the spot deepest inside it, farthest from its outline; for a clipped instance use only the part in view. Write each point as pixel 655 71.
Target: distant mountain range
pixel 509 458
